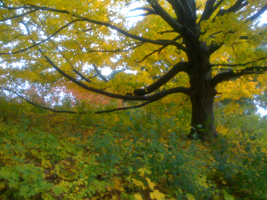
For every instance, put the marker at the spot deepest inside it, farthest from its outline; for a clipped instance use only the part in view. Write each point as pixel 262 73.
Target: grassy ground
pixel 139 154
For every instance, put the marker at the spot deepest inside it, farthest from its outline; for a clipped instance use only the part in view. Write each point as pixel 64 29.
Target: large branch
pixel 39 106
pixel 179 67
pixel 177 7
pixel 209 9
pixel 153 97
pixel 235 65
pixel 142 39
pixel 214 47
pixel 258 14
pixel 127 34
pixel 166 17
pixel 77 112
pixel 118 96
pixel 239 4
pixel 231 74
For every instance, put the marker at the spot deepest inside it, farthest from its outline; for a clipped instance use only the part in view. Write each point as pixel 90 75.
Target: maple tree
pixel 188 47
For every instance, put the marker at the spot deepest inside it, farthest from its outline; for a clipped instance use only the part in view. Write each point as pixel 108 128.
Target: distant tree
pixel 186 47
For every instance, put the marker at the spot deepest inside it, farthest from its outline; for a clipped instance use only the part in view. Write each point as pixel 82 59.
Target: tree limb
pixel 118 96
pixel 155 97
pixel 179 67
pixel 77 112
pixel 239 4
pixel 149 12
pixel 80 18
pixel 116 50
pixel 177 7
pixel 231 74
pixel 158 50
pixel 142 39
pixel 208 10
pixel 215 47
pixel 100 74
pixel 73 68
pixel 124 108
pixel 165 16
pixel 168 31
pixel 39 106
pixel 18 16
pixel 258 14
pixel 38 43
pixel 235 65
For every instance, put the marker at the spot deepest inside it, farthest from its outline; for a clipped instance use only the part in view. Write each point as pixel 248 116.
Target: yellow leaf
pixel 227 196
pixel 2 185
pixel 202 181
pixel 138 183
pixel 114 198
pixel 157 195
pixel 138 197
pixel 150 183
pixel 144 171
pixel 190 196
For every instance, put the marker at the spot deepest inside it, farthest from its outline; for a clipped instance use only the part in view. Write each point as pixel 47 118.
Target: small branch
pixel 73 68
pixel 100 74
pixel 158 50
pixel 18 16
pixel 149 11
pixel 47 9
pixel 234 65
pixel 81 75
pixel 169 31
pixel 39 106
pixel 116 50
pixel 38 43
pixel 124 108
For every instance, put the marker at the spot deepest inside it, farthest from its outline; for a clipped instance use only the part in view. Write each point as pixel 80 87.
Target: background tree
pixel 188 47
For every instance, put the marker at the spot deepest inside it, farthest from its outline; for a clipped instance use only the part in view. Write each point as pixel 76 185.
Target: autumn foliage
pixel 175 119
pixel 187 48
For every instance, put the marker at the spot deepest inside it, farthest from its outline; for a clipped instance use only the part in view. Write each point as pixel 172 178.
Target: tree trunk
pixel 202 121
pixel 201 91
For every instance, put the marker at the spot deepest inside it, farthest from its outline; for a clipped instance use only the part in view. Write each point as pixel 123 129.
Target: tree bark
pixel 202 121
pixel 202 91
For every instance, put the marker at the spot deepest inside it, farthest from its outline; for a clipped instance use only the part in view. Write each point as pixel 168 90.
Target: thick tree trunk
pixel 201 91
pixel 202 121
